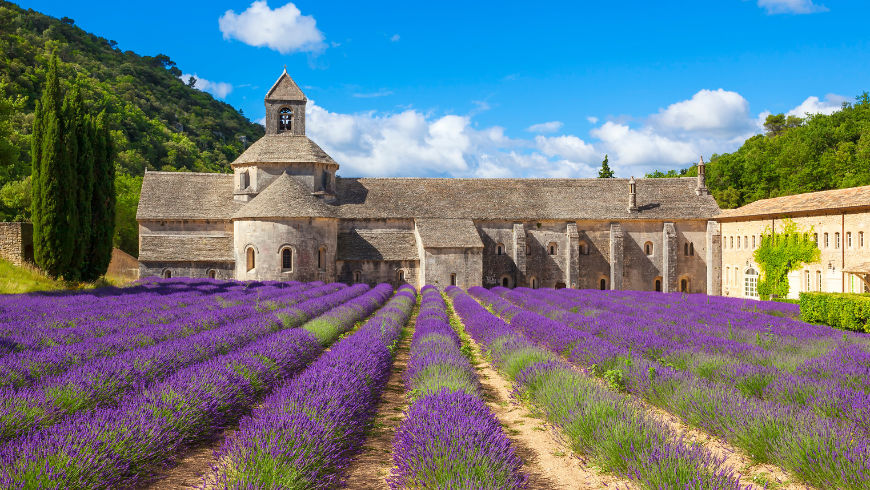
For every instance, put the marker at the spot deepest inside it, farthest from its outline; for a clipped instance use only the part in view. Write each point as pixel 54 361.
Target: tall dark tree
pixel 605 172
pixel 102 202
pixel 56 222
pixel 81 134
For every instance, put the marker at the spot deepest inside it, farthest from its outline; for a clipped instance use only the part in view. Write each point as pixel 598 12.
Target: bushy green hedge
pixel 841 310
pixel 786 300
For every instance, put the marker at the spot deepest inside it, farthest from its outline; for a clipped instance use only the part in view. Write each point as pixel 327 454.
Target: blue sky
pixel 472 89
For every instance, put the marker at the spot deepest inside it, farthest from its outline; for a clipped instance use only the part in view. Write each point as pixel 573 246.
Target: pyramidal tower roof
pixel 285 89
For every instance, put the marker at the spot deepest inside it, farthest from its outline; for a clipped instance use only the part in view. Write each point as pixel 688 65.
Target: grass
pixel 28 278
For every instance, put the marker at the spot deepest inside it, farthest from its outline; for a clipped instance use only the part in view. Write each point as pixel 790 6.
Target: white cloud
pixel 773 7
pixel 219 89
pixel 570 147
pixel 547 127
pixel 715 112
pixel 283 29
pixel 813 105
pixel 395 38
pixel 592 119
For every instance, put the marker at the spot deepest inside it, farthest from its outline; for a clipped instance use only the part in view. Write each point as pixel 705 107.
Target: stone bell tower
pixel 285 108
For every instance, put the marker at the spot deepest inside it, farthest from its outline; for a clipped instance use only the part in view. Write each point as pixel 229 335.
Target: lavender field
pixel 112 388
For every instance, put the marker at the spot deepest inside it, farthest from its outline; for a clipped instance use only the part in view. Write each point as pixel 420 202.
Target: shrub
pixel 847 311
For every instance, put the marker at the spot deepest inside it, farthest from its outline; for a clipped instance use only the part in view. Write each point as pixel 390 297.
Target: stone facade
pixel 839 221
pixel 16 242
pixel 285 215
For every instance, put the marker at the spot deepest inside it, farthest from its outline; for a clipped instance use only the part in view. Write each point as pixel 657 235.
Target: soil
pixel 371 467
pixel 188 470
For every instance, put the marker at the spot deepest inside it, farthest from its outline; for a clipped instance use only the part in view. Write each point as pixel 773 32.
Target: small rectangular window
pixel 732 242
pixel 827 242
pixel 818 280
pixel 738 243
pixel 849 239
pixel 837 241
pixel 861 239
pixel 753 241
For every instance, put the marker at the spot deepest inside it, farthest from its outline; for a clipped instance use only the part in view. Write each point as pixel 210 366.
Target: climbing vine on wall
pixel 783 252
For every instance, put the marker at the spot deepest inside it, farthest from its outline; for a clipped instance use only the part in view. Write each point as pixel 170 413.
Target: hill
pixel 158 121
pixel 795 155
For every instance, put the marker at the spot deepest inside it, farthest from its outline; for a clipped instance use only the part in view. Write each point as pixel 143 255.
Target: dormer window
pixel 285 119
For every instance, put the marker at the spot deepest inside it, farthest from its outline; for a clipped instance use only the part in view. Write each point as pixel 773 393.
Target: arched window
pixel 285 119
pixel 212 274
pixel 837 240
pixel 401 276
pixel 753 242
pixel 507 281
pixel 357 277
pixel 684 285
pixel 827 241
pixel 499 249
pixel 584 248
pixel 452 279
pixel 658 285
pixel 250 255
pixel 552 248
pixel 167 274
pixel 738 243
pixel 750 283
pixel 534 283
pixel 692 249
pixel 648 248
pixel 819 281
pixel 287 260
pixel 602 284
pixel 686 249
pixel 849 239
pixel 321 258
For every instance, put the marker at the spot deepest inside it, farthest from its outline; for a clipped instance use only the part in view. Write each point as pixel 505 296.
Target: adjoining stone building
pixel 284 215
pixel 840 223
pixel 16 242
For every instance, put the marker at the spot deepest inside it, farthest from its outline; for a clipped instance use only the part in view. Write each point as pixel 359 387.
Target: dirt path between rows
pixel 371 467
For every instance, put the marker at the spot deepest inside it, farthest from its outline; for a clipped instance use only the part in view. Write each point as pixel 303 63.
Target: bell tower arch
pixel 285 107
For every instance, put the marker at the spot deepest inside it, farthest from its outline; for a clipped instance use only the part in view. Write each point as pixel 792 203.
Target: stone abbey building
pixel 284 215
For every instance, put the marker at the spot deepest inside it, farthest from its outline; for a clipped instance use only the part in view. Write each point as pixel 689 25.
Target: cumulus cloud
pixel 592 119
pixel 813 105
pixel 219 89
pixel 715 112
pixel 395 38
pixel 773 7
pixel 547 127
pixel 283 29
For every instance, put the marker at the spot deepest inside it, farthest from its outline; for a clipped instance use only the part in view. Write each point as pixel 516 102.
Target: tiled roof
pixel 377 245
pixel 185 195
pixel 448 233
pixel 859 268
pixel 520 199
pixel 812 201
pixel 285 89
pixel 185 248
pixel 285 197
pixel 284 148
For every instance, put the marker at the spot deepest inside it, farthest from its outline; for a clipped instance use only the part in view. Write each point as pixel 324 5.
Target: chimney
pixel 632 196
pixel 702 190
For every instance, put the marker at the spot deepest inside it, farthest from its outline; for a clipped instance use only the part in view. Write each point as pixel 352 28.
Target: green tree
pixel 605 172
pixel 128 189
pixel 10 167
pixel 102 202
pixel 81 134
pixel 781 253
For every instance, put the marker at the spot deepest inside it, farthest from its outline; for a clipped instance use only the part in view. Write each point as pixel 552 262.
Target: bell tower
pixel 285 108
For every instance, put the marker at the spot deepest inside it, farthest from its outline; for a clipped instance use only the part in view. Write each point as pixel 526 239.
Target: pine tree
pixel 102 203
pixel 81 135
pixel 605 172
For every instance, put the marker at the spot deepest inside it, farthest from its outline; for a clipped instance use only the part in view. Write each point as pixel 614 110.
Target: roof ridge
pixel 161 172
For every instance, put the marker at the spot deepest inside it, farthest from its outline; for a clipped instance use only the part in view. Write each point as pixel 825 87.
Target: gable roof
pixel 854 197
pixel 377 245
pixel 285 89
pixel 186 248
pixel 520 199
pixel 284 148
pixel 285 197
pixel 186 195
pixel 448 233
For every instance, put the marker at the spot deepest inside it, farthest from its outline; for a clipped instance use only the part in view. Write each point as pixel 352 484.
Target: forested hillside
pixel 158 121
pixel 794 156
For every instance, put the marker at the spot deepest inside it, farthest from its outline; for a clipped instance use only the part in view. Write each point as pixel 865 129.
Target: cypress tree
pixel 82 162
pixel 54 228
pixel 103 202
pixel 35 164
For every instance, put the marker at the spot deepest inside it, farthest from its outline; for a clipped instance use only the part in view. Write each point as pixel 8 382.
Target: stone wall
pixel 442 263
pixel 374 272
pixel 268 237
pixel 826 275
pixel 123 265
pixel 223 270
pixel 16 242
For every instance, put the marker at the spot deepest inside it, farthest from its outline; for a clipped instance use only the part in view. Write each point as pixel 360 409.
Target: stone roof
pixel 859 268
pixel 448 233
pixel 813 201
pixel 185 248
pixel 520 199
pixel 186 195
pixel 285 197
pixel 285 89
pixel 284 148
pixel 377 245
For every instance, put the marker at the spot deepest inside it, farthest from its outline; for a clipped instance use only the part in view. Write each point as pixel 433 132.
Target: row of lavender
pixel 449 438
pixel 605 426
pixel 105 380
pixel 309 429
pixel 118 444
pixel 811 421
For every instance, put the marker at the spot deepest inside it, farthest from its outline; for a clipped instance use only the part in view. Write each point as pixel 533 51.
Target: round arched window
pixel 285 119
